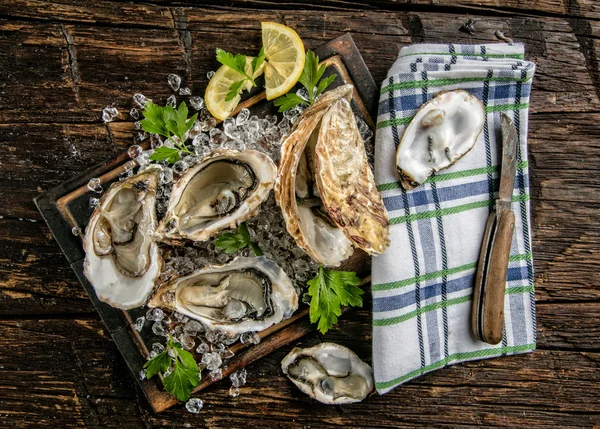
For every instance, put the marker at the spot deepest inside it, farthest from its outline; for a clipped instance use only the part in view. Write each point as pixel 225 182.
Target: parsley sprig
pixel 231 242
pixel 168 122
pixel 311 80
pixel 237 62
pixel 329 290
pixel 184 375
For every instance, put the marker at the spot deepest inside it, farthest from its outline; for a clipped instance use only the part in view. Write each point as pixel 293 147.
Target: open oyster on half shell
pixel 245 295
pixel 121 259
pixel 325 187
pixel 329 373
pixel 223 190
pixel 443 130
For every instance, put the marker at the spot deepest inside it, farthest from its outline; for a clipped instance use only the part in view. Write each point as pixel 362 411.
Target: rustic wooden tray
pixel 67 206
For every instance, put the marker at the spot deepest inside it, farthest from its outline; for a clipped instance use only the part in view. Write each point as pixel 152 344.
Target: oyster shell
pixel 346 183
pixel 121 259
pixel 247 294
pixel 442 131
pixel 221 191
pixel 329 373
pixel 313 194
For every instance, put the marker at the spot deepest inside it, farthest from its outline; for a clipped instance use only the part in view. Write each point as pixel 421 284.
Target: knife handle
pixel 490 281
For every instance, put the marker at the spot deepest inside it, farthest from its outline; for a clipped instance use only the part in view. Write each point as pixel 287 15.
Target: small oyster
pixel 329 373
pixel 121 259
pixel 224 189
pixel 325 208
pixel 245 295
pixel 443 130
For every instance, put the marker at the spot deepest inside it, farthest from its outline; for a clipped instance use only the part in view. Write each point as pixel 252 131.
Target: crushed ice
pixel 241 132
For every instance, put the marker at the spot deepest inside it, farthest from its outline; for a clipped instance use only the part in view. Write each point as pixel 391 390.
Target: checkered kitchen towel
pixel 422 284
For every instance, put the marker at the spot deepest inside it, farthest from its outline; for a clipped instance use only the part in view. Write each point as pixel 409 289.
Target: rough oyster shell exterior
pixel 346 183
pixel 343 177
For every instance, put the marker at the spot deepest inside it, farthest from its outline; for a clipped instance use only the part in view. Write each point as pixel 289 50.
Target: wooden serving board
pixel 67 206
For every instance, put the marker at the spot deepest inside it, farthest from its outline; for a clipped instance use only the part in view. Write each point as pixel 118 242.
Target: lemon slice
pixel 284 52
pixel 218 87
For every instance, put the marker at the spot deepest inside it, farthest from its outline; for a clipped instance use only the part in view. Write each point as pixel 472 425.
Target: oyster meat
pixel 329 373
pixel 224 189
pixel 245 295
pixel 121 259
pixel 325 187
pixel 442 131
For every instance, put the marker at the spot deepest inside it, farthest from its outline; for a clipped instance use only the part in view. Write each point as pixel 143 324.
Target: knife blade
pixel 487 320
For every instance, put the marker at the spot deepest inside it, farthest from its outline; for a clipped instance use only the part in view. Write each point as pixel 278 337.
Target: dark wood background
pixel 61 62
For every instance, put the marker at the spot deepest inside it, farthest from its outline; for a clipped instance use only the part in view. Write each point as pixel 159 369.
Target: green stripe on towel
pixel 464 54
pixel 446 82
pixel 488 109
pixel 450 176
pixel 454 357
pixel 437 305
pixel 451 210
pixel 436 274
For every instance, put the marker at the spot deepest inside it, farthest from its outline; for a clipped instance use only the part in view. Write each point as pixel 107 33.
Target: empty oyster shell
pixel 223 190
pixel 329 373
pixel 443 130
pixel 322 204
pixel 245 295
pixel 121 259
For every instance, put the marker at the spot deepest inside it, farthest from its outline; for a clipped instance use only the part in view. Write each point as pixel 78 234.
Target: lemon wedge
pixel 218 87
pixel 284 52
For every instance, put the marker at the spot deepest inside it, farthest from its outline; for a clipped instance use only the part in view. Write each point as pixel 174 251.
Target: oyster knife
pixel 487 320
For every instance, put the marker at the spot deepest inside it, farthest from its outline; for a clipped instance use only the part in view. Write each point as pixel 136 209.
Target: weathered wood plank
pixel 84 383
pixel 34 275
pixel 36 157
pixel 63 373
pixel 138 59
pixel 142 14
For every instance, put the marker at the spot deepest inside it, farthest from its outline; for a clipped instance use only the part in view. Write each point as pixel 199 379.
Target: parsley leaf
pixel 329 290
pixel 234 89
pixel 168 122
pixel 310 77
pixel 258 60
pixel 181 381
pixel 154 120
pixel 324 84
pixel 164 153
pixel 184 375
pixel 160 363
pixel 236 62
pixel 288 101
pixel 231 242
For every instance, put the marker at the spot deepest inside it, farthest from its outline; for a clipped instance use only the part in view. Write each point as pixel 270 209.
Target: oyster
pixel 247 294
pixel 345 180
pixel 221 191
pixel 443 130
pixel 325 208
pixel 121 259
pixel 329 373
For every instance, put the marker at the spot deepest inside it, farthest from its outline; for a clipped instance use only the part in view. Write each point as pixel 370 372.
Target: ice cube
pixel 109 113
pixel 95 185
pixel 194 405
pixel 139 323
pixel 174 81
pixel 197 102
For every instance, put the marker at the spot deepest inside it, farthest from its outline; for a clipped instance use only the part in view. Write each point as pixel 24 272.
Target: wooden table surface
pixel 62 61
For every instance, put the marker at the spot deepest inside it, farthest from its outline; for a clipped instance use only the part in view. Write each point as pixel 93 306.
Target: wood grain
pixel 62 62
